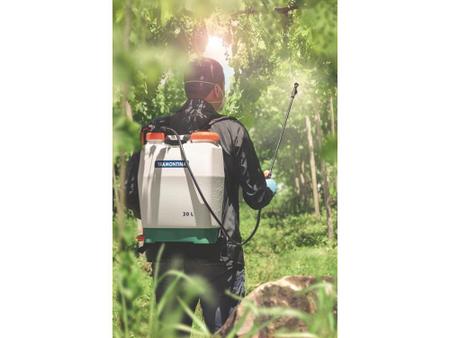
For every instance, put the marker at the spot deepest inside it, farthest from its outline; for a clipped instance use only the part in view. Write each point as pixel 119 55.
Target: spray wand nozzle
pixel 294 91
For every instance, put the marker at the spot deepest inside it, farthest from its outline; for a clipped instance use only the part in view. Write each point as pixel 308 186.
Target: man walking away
pixel 221 264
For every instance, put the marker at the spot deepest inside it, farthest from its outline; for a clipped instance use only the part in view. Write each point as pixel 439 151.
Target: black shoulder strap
pixel 156 124
pixel 161 122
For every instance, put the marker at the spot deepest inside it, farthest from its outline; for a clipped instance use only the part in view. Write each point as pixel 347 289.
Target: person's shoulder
pixel 228 122
pixel 232 129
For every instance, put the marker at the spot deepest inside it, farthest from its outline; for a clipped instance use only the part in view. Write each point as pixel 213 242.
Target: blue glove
pixel 271 184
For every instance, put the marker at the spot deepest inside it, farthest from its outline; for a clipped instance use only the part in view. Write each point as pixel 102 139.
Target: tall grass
pixel 136 313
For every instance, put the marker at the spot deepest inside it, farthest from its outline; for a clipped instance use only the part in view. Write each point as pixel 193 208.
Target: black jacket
pixel 242 169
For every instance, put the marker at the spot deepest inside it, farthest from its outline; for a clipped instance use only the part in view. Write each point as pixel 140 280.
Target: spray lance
pixel 258 217
pixel 294 92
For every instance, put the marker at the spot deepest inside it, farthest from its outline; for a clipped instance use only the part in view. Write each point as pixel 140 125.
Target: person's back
pixel 222 263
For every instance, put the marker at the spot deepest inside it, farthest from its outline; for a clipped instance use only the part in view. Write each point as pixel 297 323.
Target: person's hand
pixel 271 184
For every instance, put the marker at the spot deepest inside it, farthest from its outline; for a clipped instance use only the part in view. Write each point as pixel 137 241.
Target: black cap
pixel 201 76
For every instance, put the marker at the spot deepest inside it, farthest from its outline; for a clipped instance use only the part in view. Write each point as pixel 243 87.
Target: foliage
pixel 132 288
pixel 268 51
pixel 284 234
pixel 125 132
pixel 329 150
pixel 290 245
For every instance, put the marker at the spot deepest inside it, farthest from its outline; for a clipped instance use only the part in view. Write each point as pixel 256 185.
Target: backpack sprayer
pixel 175 214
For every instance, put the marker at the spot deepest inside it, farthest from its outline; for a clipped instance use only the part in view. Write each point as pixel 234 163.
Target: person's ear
pixel 218 91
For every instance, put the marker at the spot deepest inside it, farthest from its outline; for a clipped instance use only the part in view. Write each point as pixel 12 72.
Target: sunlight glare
pixel 216 49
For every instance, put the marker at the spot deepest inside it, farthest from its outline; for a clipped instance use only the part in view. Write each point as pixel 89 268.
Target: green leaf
pixel 329 150
pixel 125 134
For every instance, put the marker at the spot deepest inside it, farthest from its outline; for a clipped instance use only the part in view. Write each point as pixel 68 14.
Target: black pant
pixel 216 306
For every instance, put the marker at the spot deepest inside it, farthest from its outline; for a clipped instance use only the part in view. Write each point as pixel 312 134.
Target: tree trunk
pixel 296 159
pixel 327 204
pixel 302 173
pixel 312 163
pixel 303 190
pixel 126 104
pixel 126 46
pixel 326 190
pixel 120 195
pixel 297 185
pixel 333 131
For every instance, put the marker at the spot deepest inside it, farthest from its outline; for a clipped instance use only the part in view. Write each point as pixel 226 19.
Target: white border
pixel 393 169
pixel 56 137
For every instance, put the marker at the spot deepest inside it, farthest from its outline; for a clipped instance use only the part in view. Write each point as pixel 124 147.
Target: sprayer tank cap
pixel 205 136
pixel 155 136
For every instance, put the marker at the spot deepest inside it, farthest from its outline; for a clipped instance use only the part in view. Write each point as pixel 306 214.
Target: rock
pixel 283 293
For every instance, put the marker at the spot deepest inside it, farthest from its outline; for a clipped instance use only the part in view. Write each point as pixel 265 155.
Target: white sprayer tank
pixel 171 207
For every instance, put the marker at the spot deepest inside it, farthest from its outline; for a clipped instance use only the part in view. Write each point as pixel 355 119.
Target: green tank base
pixel 190 235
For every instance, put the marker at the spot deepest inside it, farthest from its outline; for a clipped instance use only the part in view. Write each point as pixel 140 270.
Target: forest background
pixel 265 46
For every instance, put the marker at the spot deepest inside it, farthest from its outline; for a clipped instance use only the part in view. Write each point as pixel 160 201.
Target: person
pixel 220 264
